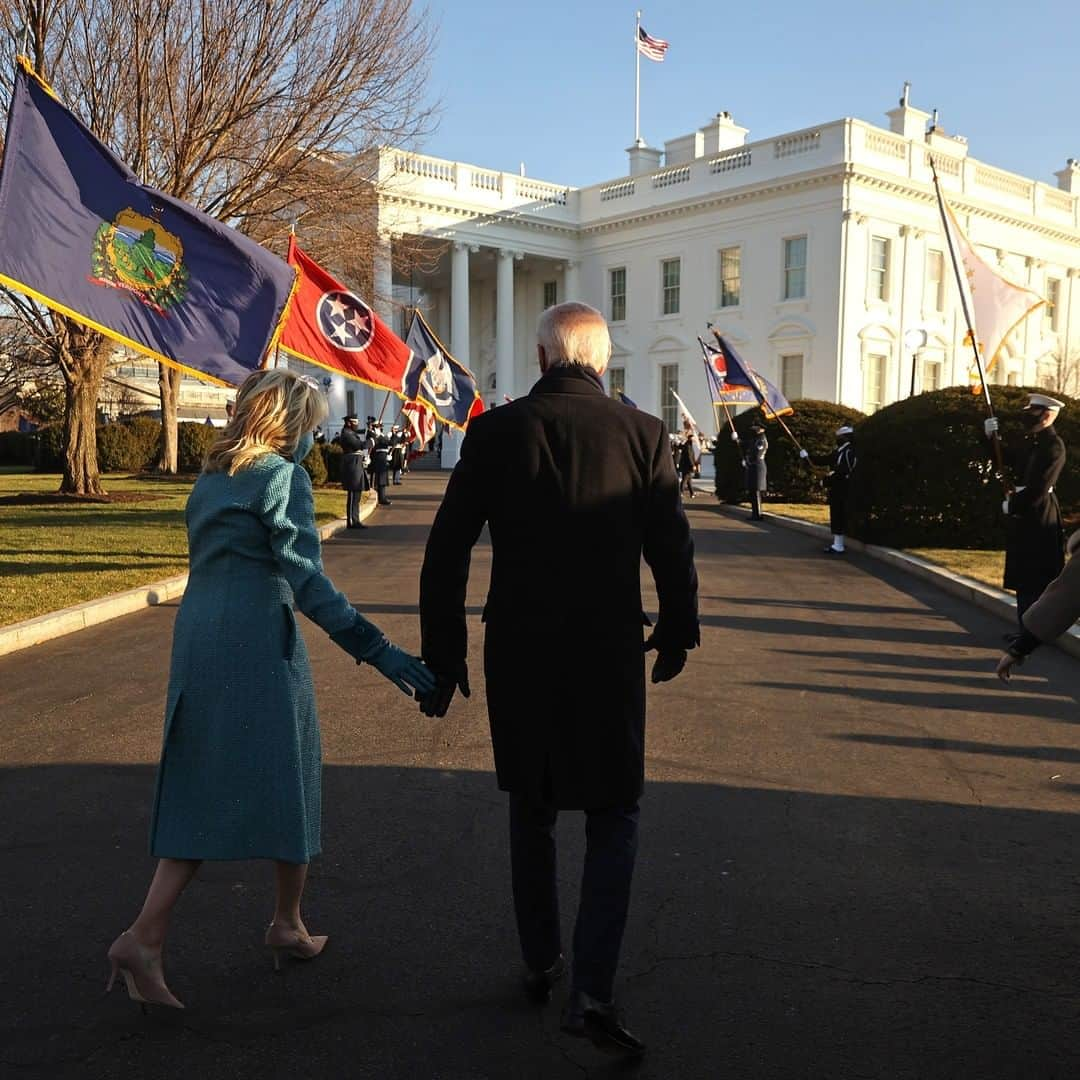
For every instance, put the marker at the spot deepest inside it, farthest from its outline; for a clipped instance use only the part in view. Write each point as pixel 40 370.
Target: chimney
pixel 1069 177
pixel 905 119
pixel 643 159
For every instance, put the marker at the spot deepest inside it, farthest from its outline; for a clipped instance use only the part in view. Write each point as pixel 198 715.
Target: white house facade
pixel 815 252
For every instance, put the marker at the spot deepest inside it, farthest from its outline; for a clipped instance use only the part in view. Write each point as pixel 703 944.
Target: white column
pixel 504 325
pixel 459 336
pixel 383 281
pixel 571 286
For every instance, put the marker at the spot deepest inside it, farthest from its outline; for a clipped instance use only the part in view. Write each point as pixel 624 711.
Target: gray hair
pixel 574 333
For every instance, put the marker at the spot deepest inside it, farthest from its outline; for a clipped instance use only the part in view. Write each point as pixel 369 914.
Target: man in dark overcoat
pixel 1035 541
pixel 841 464
pixel 754 450
pixel 356 449
pixel 574 487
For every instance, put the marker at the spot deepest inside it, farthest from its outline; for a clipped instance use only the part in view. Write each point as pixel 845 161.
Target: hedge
pixel 192 443
pixel 813 423
pixel 925 476
pixel 332 455
pixel 315 466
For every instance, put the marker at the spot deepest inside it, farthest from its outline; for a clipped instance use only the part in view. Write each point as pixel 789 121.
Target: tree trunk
pixel 169 392
pixel 85 354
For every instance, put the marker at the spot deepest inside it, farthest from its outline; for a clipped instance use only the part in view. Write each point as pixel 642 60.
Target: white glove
pixel 990 426
pixel 1005 506
pixel 803 454
pixel 734 436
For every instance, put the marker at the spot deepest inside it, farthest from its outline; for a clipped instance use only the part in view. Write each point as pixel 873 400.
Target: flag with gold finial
pixel 996 304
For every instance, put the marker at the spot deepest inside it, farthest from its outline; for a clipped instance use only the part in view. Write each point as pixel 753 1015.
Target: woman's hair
pixel 273 409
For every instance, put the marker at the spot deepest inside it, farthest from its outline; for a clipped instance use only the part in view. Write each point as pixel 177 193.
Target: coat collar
pixel 569 379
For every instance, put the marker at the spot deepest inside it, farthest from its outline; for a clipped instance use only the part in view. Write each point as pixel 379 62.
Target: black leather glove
pixel 669 662
pixel 436 702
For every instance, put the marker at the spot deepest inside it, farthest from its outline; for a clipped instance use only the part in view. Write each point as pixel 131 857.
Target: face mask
pixel 303 447
pixel 1031 419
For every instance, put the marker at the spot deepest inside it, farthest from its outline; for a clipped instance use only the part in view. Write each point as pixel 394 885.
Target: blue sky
pixel 553 83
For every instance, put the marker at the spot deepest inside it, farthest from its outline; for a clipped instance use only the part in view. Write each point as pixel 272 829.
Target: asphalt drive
pixel 859 851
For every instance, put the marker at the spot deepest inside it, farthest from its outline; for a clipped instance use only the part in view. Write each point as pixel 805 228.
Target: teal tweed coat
pixel 241 765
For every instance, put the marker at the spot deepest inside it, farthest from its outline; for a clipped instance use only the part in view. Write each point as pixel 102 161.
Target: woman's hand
pixel 408 673
pixel 1006 664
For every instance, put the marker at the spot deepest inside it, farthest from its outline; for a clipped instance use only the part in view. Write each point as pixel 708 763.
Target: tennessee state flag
pixel 332 327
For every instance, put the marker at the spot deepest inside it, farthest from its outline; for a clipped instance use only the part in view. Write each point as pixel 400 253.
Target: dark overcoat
pixel 241 772
pixel 1035 545
pixel 575 487
pixel 355 445
pixel 754 451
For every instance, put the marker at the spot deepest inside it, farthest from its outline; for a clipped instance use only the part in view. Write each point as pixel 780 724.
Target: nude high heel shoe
pixel 293 944
pixel 141 971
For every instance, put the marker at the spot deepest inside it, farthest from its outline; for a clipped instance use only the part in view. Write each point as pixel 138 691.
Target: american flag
pixel 652 47
pixel 421 420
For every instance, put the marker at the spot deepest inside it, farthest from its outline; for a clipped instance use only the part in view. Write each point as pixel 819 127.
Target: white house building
pixel 815 252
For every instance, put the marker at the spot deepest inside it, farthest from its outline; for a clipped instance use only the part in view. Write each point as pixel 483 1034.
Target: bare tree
pixel 261 112
pixel 1062 372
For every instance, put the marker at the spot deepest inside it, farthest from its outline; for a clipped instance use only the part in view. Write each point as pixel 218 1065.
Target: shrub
pixel 332 455
pixel 49 448
pixel 925 476
pixel 16 448
pixel 146 434
pixel 315 466
pixel 192 442
pixel 128 445
pixel 813 423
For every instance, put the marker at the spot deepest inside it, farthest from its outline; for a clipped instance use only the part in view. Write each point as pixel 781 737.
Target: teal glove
pixel 367 644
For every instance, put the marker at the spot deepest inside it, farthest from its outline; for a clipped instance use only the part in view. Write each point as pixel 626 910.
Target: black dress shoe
pixel 600 1021
pixel 538 984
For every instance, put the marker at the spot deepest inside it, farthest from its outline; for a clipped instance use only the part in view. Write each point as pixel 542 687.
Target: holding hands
pixel 436 701
pixel 669 662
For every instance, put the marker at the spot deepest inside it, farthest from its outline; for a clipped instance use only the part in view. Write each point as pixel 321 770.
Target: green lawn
pixel 985 566
pixel 54 553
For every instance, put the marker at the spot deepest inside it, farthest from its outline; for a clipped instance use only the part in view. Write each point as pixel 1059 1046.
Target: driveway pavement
pixel 859 851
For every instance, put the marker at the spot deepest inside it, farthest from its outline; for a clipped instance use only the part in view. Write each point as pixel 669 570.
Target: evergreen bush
pixel 16 448
pixel 315 466
pixel 813 423
pixel 332 455
pixel 192 443
pixel 925 477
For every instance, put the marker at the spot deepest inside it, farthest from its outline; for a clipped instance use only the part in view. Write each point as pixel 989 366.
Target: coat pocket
pixel 289 637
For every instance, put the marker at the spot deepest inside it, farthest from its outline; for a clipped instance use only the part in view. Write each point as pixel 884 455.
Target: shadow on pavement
pixel 773 934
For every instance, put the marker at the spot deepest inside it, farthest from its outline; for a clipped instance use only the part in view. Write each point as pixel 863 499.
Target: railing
pixel 487 180
pixel 734 159
pixel 425 167
pixel 1001 181
pixel 802 143
pixel 946 166
pixel 680 174
pixel 617 191
pixel 1059 200
pixel 539 191
pixel 879 143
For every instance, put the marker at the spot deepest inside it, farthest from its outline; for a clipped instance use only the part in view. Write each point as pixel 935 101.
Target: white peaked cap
pixel 1041 401
pixel 847 429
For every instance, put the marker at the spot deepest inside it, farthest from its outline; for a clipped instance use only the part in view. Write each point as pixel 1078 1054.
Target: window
pixel 874 382
pixel 669 285
pixel 730 276
pixel 931 375
pixel 350 402
pixel 791 376
pixel 795 268
pixel 1013 379
pixel 1053 294
pixel 617 292
pixel 934 299
pixel 879 268
pixel 669 407
pixel 551 293
pixel 616 381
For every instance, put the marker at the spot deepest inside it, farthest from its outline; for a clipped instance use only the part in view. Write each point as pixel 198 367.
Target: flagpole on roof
pixel 637 81
pixel 995 441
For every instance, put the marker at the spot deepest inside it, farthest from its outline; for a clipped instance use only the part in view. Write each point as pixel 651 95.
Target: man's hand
pixel 804 455
pixel 669 662
pixel 436 702
pixel 734 436
pixel 990 426
pixel 1006 664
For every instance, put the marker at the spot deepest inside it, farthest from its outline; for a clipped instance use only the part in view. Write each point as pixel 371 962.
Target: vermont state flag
pixel 80 234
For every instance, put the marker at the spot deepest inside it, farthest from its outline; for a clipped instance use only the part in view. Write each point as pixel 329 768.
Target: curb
pixel 22 635
pixel 995 601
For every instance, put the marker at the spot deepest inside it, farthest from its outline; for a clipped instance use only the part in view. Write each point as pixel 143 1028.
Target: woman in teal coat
pixel 240 771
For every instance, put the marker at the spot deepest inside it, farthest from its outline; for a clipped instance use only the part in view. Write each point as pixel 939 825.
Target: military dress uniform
pixel 380 464
pixel 754 450
pixel 397 455
pixel 356 449
pixel 841 464
pixel 1035 545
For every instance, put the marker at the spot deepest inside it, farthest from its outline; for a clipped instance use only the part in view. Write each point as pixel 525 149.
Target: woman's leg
pixel 290 879
pixel 170 879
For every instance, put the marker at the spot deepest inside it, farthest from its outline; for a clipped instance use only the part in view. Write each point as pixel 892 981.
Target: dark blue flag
pixel 627 400
pixel 732 381
pixel 437 379
pixel 79 233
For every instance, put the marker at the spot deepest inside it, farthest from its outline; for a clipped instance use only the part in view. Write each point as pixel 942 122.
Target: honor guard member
pixel 754 450
pixel 380 462
pixel 687 456
pixel 397 454
pixel 356 449
pixel 841 465
pixel 1035 545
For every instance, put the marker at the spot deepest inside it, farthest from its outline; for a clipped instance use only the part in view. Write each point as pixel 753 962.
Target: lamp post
pixel 914 340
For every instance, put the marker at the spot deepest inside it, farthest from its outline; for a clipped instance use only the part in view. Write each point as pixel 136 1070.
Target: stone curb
pixel 22 635
pixel 996 601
